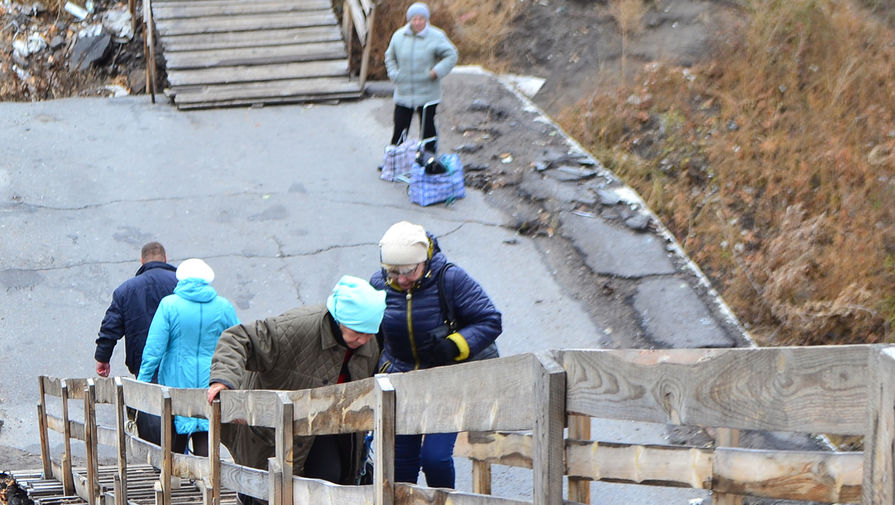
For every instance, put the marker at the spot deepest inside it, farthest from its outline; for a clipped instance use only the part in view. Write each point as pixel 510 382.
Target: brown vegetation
pixel 774 165
pixel 475 27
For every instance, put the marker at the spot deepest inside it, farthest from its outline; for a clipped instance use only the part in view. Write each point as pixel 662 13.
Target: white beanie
pixel 404 243
pixel 418 9
pixel 194 267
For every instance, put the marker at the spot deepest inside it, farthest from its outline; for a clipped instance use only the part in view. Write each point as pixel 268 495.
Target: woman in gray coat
pixel 419 55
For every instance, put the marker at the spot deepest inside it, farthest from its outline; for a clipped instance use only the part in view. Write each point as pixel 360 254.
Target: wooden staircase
pixel 222 53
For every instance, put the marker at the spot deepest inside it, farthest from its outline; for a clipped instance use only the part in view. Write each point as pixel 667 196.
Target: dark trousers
pixel 149 427
pixel 200 443
pixel 433 451
pixel 403 118
pixel 329 458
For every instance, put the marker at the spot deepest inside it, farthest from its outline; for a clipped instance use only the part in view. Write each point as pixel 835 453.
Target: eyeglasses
pixel 395 271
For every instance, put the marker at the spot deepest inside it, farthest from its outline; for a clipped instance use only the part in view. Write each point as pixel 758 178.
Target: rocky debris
pixel 85 49
pixel 89 49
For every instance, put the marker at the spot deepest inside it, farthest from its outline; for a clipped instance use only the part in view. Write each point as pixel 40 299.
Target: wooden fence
pixel 513 411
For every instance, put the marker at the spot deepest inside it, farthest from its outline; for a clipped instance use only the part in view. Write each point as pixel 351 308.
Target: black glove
pixel 445 351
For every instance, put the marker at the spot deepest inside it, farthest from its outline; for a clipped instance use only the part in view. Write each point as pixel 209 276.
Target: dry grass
pixel 775 167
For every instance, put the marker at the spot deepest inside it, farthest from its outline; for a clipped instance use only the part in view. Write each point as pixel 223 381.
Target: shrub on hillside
pixel 774 165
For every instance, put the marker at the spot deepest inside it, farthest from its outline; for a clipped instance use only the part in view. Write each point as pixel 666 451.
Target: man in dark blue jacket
pixel 133 305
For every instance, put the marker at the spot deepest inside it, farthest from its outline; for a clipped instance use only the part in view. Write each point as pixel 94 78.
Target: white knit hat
pixel 418 9
pixel 194 267
pixel 404 243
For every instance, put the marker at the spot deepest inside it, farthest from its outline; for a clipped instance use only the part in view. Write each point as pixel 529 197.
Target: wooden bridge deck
pixel 141 481
pixel 231 52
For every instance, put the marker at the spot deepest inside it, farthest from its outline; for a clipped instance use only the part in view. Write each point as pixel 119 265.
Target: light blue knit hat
pixel 357 304
pixel 418 9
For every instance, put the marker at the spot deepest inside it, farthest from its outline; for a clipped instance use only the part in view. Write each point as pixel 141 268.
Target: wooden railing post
pixel 481 477
pixel 167 447
pixel 579 429
pixel 214 452
pixel 68 481
pixel 45 457
pixel 727 437
pixel 368 43
pixel 90 434
pixel 879 439
pixel 120 416
pixel 275 479
pixel 149 47
pixel 284 447
pixel 384 442
pixel 347 27
pixel 549 420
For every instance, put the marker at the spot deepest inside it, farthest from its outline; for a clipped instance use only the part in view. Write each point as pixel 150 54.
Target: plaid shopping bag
pixel 426 189
pixel 398 159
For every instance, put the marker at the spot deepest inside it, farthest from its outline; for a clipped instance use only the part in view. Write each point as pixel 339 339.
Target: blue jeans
pixel 434 452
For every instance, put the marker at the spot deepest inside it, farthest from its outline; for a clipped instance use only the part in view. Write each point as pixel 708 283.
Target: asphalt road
pixel 280 201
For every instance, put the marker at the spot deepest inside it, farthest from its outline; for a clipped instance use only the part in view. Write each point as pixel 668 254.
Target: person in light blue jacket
pixel 419 55
pixel 181 342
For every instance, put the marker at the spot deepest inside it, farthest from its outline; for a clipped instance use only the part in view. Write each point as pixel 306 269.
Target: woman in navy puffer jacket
pixel 415 336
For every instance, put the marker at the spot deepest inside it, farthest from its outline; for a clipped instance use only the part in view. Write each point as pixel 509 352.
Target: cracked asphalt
pixel 281 201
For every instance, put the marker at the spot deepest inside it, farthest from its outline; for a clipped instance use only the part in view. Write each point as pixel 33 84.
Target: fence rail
pixel 512 411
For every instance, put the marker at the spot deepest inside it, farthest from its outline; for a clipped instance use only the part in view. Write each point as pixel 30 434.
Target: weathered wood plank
pixel 547 435
pixel 479 396
pixel 384 442
pixel 358 19
pixel 320 97
pixel 241 479
pixel 190 402
pixel 143 395
pixel 805 389
pixel 339 408
pixel 167 439
pixel 306 4
pixel 224 40
pixel 239 23
pixel 879 442
pixel 227 75
pixel 51 385
pixel 509 449
pixel 256 55
pixel 411 494
pixel 55 423
pixel 188 466
pixel 201 9
pixel 787 475
pixel 42 421
pixel 321 491
pixel 67 475
pixel 812 476
pixel 579 429
pixel 284 433
pixel 481 477
pixel 641 464
pixel 727 437
pixel 257 407
pixel 106 436
pixel 92 484
pixel 264 90
pixel 214 453
pixel 121 445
